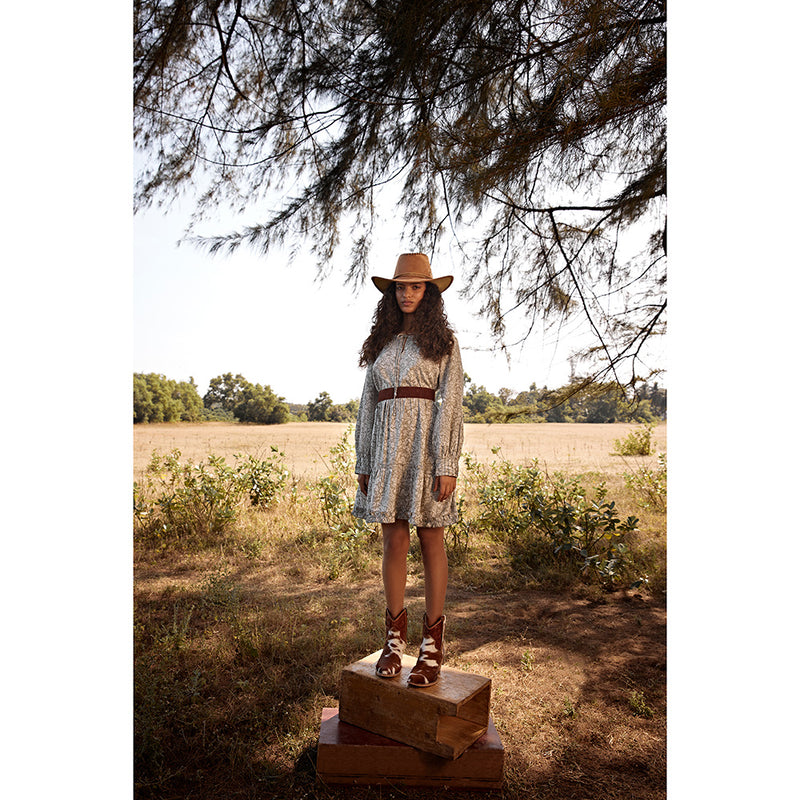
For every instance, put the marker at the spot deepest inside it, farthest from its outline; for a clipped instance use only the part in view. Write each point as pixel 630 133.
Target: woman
pixel 408 447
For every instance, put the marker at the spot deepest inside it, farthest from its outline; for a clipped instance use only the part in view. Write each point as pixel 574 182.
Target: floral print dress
pixel 405 442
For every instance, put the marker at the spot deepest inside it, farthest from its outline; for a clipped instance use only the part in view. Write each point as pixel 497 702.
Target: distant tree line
pixel 323 409
pixel 578 401
pixel 232 397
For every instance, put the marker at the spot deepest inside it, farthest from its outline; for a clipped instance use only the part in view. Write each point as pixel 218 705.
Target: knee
pixel 395 540
pixel 431 540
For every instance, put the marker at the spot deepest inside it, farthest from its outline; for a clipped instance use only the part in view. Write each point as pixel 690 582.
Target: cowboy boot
pixel 391 659
pixel 431 654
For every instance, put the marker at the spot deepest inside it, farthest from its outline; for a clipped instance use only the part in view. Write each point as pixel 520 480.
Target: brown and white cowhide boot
pixel 431 653
pixel 391 659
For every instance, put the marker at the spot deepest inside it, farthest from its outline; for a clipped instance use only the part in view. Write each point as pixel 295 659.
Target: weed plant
pixel 638 705
pixel 636 443
pixel 553 526
pixel 197 505
pixel 458 535
pixel 650 485
pixel 351 535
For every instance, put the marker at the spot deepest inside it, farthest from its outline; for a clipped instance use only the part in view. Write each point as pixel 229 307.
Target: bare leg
pixel 434 561
pixel 396 540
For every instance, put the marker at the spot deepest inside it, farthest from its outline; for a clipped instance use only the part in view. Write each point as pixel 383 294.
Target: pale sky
pixel 271 321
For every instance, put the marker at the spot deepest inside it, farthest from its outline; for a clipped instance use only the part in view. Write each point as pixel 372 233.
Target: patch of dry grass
pixel 305 444
pixel 557 446
pixel 566 447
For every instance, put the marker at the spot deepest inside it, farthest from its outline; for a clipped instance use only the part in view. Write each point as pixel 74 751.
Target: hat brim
pixel 441 283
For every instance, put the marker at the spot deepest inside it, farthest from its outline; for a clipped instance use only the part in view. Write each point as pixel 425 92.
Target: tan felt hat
pixel 413 268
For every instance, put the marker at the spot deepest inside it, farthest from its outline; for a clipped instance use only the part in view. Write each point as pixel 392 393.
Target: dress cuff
pixel 362 465
pixel 447 466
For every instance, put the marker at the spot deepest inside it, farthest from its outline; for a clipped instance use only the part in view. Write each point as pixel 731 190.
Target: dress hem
pixel 386 521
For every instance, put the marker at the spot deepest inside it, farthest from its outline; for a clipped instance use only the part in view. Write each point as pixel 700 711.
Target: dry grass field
pixel 557 446
pixel 238 645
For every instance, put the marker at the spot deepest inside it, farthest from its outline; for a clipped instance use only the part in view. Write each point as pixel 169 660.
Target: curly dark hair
pixel 431 331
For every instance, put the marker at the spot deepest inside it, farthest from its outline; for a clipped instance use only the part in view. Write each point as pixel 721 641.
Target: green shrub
pixel 196 505
pixel 650 485
pixel 553 521
pixel 472 475
pixel 264 478
pixel 636 443
pixel 335 492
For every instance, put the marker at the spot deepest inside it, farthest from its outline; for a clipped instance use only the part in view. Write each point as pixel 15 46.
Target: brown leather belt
pixel 406 391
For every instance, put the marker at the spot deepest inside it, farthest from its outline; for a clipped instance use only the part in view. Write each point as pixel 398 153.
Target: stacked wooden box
pixel 388 733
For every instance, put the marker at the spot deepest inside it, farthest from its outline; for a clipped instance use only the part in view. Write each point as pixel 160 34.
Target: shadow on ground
pixel 232 671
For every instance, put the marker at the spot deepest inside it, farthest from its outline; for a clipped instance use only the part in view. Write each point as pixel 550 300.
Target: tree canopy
pixel 157 398
pixel 323 409
pixel 528 133
pixel 247 402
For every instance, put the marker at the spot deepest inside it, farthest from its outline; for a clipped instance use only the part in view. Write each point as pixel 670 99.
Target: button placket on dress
pixel 403 337
pixel 390 419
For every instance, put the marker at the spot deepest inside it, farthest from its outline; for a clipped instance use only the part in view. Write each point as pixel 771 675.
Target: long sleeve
pixel 366 416
pixel 448 433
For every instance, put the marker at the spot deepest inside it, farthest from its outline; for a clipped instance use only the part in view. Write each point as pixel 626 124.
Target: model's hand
pixel 363 482
pixel 445 485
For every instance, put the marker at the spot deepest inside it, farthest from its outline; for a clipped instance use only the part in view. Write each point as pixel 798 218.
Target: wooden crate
pixel 351 755
pixel 443 719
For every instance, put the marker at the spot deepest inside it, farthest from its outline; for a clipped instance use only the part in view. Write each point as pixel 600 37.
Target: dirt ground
pixel 564 671
pixel 578 685
pixel 566 718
